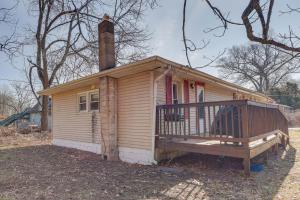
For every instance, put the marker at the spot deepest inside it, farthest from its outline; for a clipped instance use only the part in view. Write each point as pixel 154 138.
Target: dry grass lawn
pixel 34 171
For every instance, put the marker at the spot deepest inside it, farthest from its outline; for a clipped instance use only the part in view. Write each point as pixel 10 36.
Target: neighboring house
pixel 120 112
pixel 33 116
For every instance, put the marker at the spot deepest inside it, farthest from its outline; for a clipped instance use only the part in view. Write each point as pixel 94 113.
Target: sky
pixel 165 23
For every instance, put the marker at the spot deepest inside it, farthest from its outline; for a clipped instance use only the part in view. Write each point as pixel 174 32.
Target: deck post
pixel 245 132
pixel 276 148
pixel 266 157
pixel 246 164
pixel 245 125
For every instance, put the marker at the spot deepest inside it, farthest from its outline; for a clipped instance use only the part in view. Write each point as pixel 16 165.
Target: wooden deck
pixel 215 147
pixel 240 129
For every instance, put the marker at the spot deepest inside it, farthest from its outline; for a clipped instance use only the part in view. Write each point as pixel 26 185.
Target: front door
pixel 200 110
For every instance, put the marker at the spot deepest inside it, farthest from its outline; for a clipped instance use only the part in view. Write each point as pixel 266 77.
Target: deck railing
pixel 236 121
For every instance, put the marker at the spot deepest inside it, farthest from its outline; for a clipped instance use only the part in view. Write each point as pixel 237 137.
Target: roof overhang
pixel 117 72
pixel 147 64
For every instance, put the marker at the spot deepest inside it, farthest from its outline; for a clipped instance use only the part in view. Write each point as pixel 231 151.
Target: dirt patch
pixel 10 138
pixel 50 172
pixel 7 131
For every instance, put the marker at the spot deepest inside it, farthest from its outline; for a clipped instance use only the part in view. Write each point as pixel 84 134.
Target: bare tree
pixel 256 17
pixel 261 66
pixel 16 98
pixel 23 97
pixel 8 42
pixel 7 106
pixel 66 38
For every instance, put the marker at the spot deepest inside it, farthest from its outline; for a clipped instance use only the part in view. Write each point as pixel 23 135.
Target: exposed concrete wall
pixel 85 146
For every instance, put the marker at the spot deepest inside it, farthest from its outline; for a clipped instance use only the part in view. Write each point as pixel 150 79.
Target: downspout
pixel 154 109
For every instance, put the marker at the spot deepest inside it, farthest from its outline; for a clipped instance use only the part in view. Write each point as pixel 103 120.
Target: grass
pixel 34 171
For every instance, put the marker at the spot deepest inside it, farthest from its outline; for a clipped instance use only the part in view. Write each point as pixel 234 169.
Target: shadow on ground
pixel 49 172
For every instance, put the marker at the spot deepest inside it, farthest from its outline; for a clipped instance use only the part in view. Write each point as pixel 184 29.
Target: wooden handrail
pixel 265 118
pixel 209 103
pixel 232 121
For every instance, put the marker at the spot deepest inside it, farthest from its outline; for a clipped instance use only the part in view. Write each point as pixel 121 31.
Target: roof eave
pixel 108 72
pixel 93 77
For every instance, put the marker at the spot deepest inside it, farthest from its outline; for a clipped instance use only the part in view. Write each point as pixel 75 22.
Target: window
pixel 82 102
pixel 175 93
pixel 88 101
pixel 94 101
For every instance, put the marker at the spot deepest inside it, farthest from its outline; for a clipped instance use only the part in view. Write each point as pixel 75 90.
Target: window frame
pixel 200 88
pixel 87 95
pixel 78 102
pixel 90 100
pixel 180 90
pixel 173 99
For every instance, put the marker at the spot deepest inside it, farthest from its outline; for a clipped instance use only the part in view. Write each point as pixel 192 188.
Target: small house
pixel 154 108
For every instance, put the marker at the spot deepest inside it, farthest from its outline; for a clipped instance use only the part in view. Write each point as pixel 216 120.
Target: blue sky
pixel 165 23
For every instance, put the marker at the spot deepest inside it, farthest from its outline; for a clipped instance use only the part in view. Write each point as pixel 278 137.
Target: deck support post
pixel 246 163
pixel 276 149
pixel 245 131
pixel 266 157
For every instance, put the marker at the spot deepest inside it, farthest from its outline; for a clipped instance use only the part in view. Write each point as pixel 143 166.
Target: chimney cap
pixel 105 17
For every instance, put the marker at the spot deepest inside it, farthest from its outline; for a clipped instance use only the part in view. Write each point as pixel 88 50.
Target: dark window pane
pixel 174 91
pixel 201 97
pixel 82 106
pixel 82 99
pixel 94 97
pixel 94 105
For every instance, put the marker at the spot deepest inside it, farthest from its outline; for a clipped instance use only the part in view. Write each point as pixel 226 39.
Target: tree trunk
pixel 44 114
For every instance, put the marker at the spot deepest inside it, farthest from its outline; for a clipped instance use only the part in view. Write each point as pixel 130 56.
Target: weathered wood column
pixel 108 118
pixel 245 131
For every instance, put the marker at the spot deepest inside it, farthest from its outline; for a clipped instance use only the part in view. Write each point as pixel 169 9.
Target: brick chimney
pixel 108 91
pixel 106 44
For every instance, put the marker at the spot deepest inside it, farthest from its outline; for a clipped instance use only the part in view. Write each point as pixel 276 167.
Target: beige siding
pixel 69 123
pixel 213 93
pixel 134 111
pixel 161 92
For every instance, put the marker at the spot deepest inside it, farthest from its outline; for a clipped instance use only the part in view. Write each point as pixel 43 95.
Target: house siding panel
pixel 134 111
pixel 69 123
pixel 213 93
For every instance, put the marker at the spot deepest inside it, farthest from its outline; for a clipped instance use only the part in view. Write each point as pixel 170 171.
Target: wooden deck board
pixel 204 147
pixel 215 147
